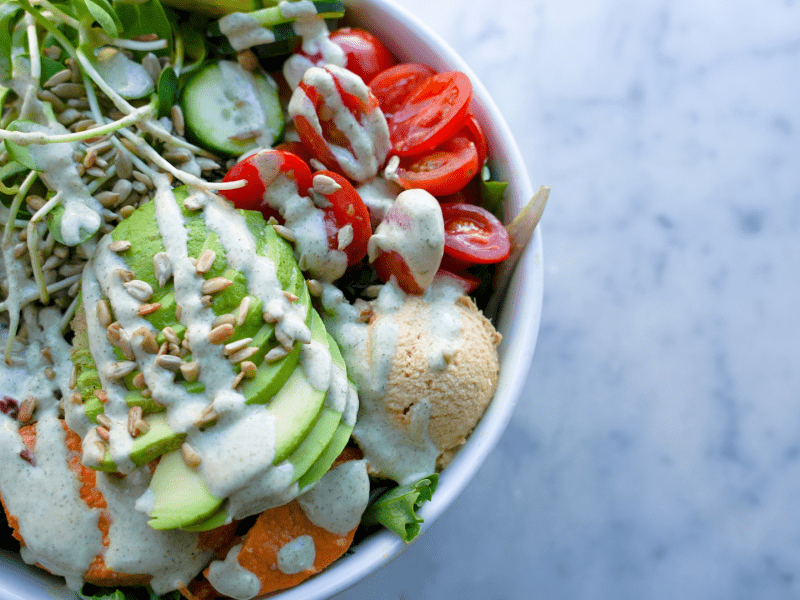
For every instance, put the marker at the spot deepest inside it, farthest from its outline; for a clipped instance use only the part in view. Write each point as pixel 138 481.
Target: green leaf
pixel 143 19
pixel 167 91
pixel 492 193
pixel 396 509
pixel 104 14
pixel 8 12
pixel 17 152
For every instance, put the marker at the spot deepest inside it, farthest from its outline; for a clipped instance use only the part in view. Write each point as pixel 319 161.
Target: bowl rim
pixel 395 26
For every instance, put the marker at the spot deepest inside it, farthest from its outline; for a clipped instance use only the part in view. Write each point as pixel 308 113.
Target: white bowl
pixel 411 41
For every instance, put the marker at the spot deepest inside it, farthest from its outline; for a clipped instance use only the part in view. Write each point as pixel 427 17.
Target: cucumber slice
pixel 231 111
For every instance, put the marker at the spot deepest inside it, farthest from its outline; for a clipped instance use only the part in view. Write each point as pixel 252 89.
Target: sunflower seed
pixel 146 309
pixel 26 410
pixel 215 285
pixel 52 262
pixel 141 426
pixel 96 172
pixel 169 362
pixel 149 343
pixel 103 313
pixel 276 353
pixel 152 66
pixel 219 334
pixel 101 395
pixel 20 250
pixel 73 378
pixel 243 354
pixel 163 349
pixel 190 370
pixel 177 120
pixel 206 261
pixel 134 416
pixel 109 199
pixel 120 369
pixel 171 336
pixel 104 434
pixel 120 246
pixel 68 116
pixel 206 164
pixel 122 188
pixel 195 201
pixel 207 301
pixel 244 308
pixel 126 211
pixel 290 296
pixel 48 96
pixel 190 456
pixel 226 319
pixel 145 179
pixel 286 233
pixel 174 349
pixel 103 420
pixel 76 398
pixel 35 202
pixel 234 347
pixel 138 289
pixel 248 368
pixel 62 76
pixel 237 380
pixel 162 268
pixel 138 381
pixel 83 125
pixel 125 275
pixel 178 312
pixel 206 416
pixel 124 165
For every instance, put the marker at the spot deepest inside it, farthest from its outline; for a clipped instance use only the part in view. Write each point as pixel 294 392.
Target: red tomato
pixel 260 170
pixel 474 235
pixel 296 148
pixel 469 283
pixel 390 263
pixel 433 113
pixel 347 208
pixel 475 132
pixel 365 163
pixel 392 86
pixel 443 171
pixel 366 54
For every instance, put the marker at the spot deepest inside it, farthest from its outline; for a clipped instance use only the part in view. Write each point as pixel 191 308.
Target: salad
pixel 238 248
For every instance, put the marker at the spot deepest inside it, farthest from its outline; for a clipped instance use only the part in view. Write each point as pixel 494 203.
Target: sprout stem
pixel 59 14
pixel 140 46
pixel 16 203
pixel 33 243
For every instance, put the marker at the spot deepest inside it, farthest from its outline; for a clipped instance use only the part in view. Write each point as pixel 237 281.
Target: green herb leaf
pixel 17 152
pixel 54 218
pixel 8 12
pixel 167 91
pixel 396 509
pixel 104 14
pixel 143 19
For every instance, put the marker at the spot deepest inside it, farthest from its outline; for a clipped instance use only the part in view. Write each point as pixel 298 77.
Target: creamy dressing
pixel 297 555
pixel 232 579
pixel 241 90
pixel 414 228
pixel 338 500
pixel 243 31
pixel 46 494
pixel 378 195
pixel 367 136
pixel 316 42
pixel 304 218
pixel 59 171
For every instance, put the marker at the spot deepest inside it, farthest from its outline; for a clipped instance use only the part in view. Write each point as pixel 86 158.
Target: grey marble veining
pixel 656 451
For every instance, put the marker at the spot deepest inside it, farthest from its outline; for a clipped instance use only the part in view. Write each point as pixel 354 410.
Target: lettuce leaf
pixel 92 592
pixel 397 508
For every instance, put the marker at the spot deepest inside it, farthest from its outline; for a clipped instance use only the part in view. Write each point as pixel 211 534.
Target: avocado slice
pixel 159 439
pixel 180 497
pixel 218 519
pixel 338 442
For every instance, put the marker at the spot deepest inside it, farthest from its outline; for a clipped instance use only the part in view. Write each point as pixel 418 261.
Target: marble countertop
pixel 655 453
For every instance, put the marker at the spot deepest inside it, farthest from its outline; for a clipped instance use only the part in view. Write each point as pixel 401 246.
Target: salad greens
pixel 397 508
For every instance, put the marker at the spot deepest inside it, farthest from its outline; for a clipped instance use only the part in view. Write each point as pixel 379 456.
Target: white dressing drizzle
pixel 231 579
pixel 338 500
pixel 414 228
pixel 297 555
pixel 367 136
pixel 243 31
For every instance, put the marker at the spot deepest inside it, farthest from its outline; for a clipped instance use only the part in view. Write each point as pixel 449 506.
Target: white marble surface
pixel 655 453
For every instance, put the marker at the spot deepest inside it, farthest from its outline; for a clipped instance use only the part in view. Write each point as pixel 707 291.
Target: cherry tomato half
pixel 466 281
pixel 366 54
pixel 474 235
pixel 390 263
pixel 443 171
pixel 473 129
pixel 319 132
pixel 433 113
pixel 260 170
pixel 347 208
pixel 296 148
pixel 394 85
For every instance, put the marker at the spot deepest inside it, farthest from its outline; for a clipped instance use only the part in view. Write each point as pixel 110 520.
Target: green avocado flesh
pixel 308 434
pixel 180 497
